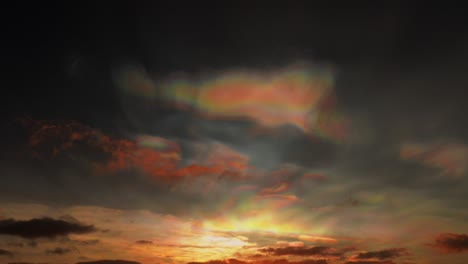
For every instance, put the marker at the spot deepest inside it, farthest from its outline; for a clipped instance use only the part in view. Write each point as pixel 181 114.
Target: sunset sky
pixel 240 133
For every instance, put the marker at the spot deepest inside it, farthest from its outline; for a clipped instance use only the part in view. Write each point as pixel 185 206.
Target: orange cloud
pixel 317 239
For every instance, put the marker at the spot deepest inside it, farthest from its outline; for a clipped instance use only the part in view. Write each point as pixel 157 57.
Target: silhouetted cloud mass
pixel 302 251
pixel 42 227
pixel 451 243
pixel 4 252
pixel 383 254
pixel 144 242
pixel 270 261
pixel 58 251
pixel 370 262
pixel 117 261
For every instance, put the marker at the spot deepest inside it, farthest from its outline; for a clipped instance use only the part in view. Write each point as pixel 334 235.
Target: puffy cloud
pixel 451 243
pixel 42 227
pixel 383 254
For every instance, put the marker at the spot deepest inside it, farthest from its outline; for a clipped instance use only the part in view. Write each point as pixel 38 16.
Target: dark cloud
pixel 270 261
pixel 370 262
pixel 42 227
pixel 87 242
pixel 302 251
pixel 27 263
pixel 383 254
pixel 58 251
pixel 4 252
pixel 144 242
pixel 117 261
pixel 451 243
pixel 31 243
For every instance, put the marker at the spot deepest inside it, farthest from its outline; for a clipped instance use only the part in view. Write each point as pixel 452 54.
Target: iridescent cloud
pixel 301 96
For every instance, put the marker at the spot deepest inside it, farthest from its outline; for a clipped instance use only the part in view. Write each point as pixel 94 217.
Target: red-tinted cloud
pixel 154 156
pixel 451 243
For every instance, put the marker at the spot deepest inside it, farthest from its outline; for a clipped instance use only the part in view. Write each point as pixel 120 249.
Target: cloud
pixel 275 189
pixel 27 263
pixel 42 227
pixel 4 252
pixel 302 251
pixel 156 157
pixel 117 261
pixel 144 242
pixel 58 251
pixel 290 243
pixel 269 261
pixel 370 262
pixel 317 239
pixel 451 158
pixel 299 96
pixel 383 254
pixel 451 243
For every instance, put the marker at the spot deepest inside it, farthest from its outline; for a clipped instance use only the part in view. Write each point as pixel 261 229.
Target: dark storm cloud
pixel 42 227
pixel 4 252
pixel 451 243
pixel 58 251
pixel 118 261
pixel 383 254
pixel 302 251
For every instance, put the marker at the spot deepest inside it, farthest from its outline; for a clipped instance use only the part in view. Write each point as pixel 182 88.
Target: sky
pixel 234 133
